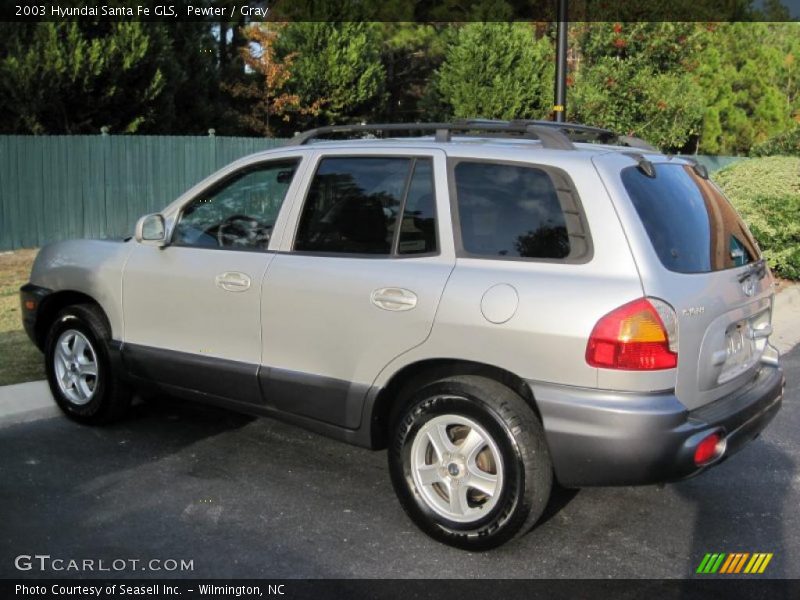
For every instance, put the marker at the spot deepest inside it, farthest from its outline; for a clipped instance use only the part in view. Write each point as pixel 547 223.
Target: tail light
pixel 639 336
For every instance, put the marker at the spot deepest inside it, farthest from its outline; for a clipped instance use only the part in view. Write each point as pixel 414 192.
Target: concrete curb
pixel 26 402
pixel 786 318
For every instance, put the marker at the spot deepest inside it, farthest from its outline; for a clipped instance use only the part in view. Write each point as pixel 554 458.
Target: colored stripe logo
pixel 734 563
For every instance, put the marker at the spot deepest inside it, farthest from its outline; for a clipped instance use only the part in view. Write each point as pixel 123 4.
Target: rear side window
pixel 369 205
pixel 516 211
pixel 691 225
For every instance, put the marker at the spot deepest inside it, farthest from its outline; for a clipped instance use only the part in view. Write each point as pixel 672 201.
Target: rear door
pixel 357 282
pixel 695 252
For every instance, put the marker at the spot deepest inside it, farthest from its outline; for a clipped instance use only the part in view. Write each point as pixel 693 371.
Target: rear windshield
pixel 691 225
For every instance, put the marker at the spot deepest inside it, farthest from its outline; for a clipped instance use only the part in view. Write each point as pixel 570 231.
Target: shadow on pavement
pixel 560 497
pixel 740 506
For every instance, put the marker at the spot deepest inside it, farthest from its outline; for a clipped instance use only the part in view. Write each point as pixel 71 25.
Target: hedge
pixel 766 191
pixel 784 144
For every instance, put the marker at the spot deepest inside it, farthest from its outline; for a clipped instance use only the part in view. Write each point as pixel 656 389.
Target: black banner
pixel 399 10
pixel 432 589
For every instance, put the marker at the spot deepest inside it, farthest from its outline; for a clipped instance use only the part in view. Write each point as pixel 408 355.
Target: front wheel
pixel 469 462
pixel 79 368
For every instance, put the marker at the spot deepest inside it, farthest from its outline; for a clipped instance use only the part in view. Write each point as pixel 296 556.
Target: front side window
pixel 509 210
pixel 369 205
pixel 239 213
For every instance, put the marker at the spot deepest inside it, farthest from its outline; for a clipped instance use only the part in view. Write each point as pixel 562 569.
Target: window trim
pixel 221 183
pixel 554 173
pixel 395 240
pixel 403 202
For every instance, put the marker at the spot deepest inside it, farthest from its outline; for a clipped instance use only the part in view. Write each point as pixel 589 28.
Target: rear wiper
pixel 758 268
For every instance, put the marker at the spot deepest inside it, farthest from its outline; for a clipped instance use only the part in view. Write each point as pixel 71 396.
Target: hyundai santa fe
pixel 501 305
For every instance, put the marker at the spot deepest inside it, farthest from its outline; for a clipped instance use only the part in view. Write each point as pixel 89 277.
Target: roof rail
pixel 578 131
pixel 635 142
pixel 549 137
pixel 586 133
pixel 645 166
pixel 551 134
pixel 700 169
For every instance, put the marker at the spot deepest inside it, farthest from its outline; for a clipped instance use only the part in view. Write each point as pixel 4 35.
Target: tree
pixel 193 102
pixel 638 79
pixel 269 102
pixel 71 77
pixel 496 70
pixel 335 67
pixel 750 87
pixel 410 53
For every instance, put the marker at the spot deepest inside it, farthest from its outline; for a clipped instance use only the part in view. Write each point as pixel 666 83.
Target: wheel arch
pixel 388 399
pixel 53 304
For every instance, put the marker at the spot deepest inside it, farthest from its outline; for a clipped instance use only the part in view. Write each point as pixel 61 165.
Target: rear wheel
pixel 469 462
pixel 79 369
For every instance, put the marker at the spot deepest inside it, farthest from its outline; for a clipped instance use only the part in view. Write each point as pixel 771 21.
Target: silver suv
pixel 503 305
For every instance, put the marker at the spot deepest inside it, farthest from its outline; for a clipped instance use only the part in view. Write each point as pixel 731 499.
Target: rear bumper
pixel 600 437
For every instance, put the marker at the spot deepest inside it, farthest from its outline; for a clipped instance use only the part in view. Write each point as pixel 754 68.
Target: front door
pixel 358 283
pixel 192 309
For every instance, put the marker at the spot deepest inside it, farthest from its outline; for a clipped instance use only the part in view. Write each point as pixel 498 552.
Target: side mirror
pixel 151 230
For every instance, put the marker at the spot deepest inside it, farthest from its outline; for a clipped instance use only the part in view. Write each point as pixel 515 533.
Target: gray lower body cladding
pixel 610 438
pixel 332 401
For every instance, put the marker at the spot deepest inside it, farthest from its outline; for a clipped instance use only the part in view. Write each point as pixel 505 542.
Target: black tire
pixel 111 398
pixel 527 472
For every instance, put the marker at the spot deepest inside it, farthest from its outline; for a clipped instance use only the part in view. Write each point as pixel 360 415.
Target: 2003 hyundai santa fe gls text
pixel 501 304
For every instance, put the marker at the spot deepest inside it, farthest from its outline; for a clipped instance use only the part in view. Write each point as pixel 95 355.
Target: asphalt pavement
pixel 244 497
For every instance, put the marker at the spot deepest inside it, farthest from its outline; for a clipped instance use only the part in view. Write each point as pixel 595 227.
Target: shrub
pixel 783 144
pixel 766 191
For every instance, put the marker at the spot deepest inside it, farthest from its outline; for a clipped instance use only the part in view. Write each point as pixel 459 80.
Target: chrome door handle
pixel 233 281
pixel 394 299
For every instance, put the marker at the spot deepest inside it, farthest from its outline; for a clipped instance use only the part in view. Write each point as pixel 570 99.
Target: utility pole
pixel 560 103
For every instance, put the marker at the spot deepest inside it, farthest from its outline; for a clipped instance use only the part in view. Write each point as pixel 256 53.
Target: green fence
pixel 61 187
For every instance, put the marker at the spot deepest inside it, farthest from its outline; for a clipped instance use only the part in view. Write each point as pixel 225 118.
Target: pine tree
pixel 496 70
pixel 335 67
pixel 749 78
pixel 639 79
pixel 71 77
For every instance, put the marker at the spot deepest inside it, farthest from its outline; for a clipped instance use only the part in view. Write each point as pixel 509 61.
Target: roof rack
pixel 586 133
pixel 551 134
pixel 700 169
pixel 549 137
